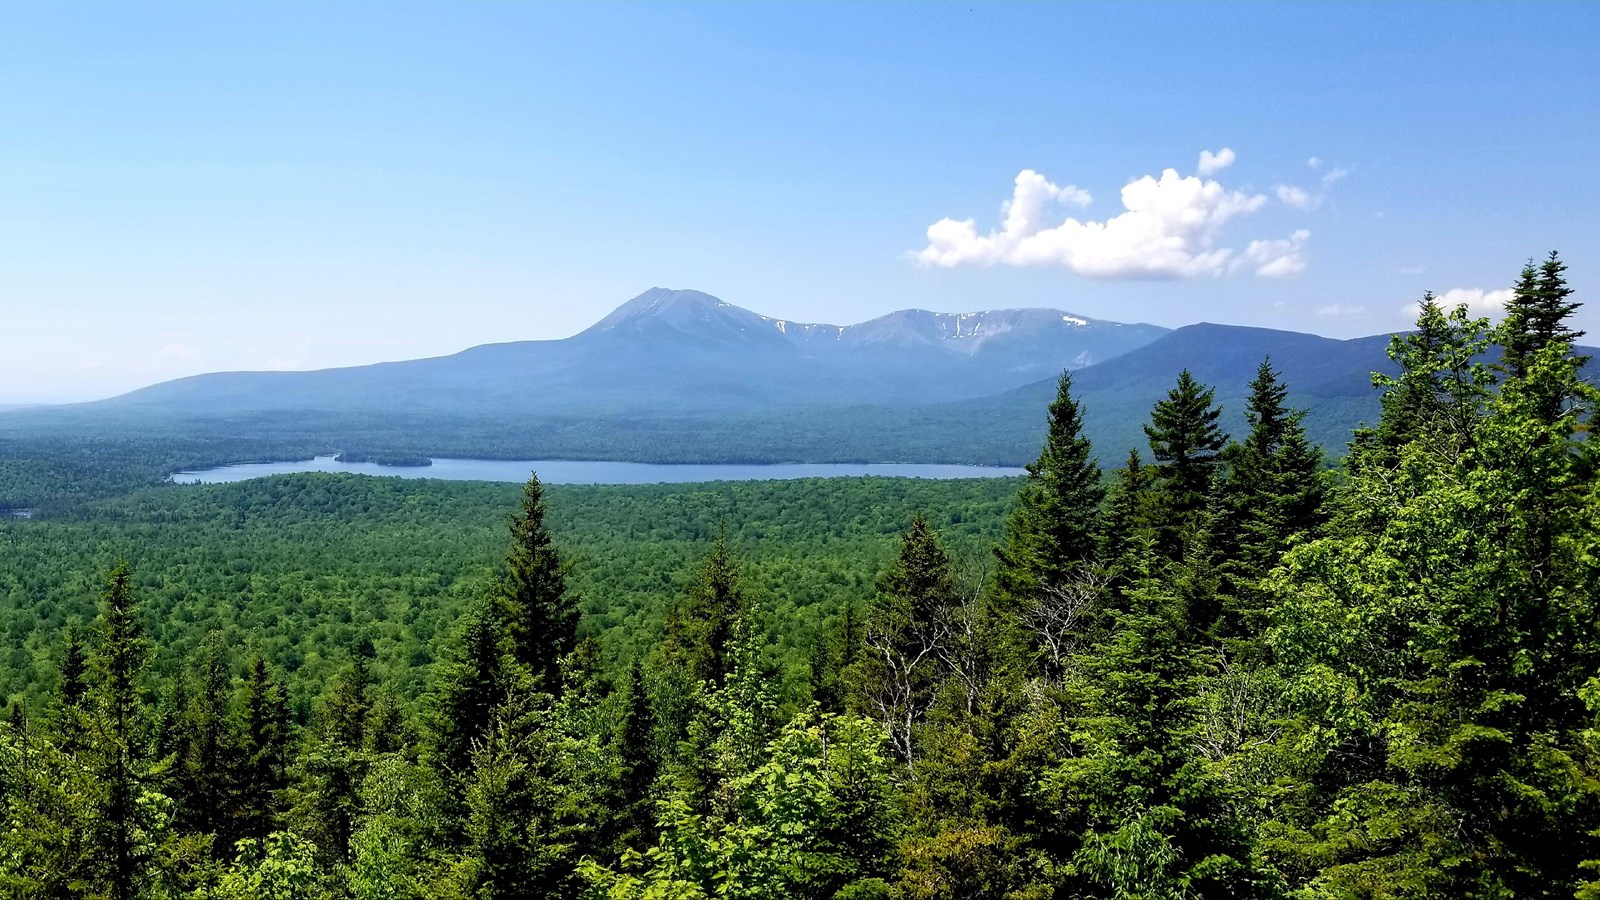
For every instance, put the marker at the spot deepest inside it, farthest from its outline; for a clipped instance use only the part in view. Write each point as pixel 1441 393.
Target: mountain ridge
pixel 689 350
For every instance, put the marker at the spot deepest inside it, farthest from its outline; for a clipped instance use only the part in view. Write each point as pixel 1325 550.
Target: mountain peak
pixel 660 300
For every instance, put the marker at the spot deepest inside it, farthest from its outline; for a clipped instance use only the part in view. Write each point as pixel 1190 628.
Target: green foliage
pixel 541 618
pixel 1187 444
pixel 1233 676
pixel 1053 526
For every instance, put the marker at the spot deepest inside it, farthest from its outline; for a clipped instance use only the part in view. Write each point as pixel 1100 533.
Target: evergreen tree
pixel 262 735
pixel 1126 512
pixel 206 764
pixel 637 763
pixel 1439 643
pixel 1273 491
pixel 540 614
pixel 469 691
pixel 513 801
pixel 700 628
pixel 1187 444
pixel 74 696
pixel 1439 394
pixel 1537 313
pixel 74 670
pixel 1052 528
pixel 1157 823
pixel 122 751
pixel 331 767
pixel 906 629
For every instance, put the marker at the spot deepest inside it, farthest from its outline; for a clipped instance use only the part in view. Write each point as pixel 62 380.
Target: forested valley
pixel 1225 669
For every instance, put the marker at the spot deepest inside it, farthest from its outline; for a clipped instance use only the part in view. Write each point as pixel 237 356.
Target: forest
pixel 1223 669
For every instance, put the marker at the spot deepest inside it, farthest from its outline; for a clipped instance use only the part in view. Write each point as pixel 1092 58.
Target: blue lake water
pixel 568 471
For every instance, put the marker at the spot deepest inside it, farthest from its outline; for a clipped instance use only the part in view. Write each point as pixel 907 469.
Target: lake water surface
pixel 568 471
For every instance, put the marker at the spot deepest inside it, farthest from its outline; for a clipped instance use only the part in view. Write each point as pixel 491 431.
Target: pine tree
pixel 540 615
pixel 1051 530
pixel 1187 444
pixel 262 735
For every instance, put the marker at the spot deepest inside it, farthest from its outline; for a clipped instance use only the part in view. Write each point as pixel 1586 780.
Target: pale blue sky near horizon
pixel 193 187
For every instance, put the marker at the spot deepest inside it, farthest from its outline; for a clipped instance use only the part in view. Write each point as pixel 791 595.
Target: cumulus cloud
pixel 1297 197
pixel 1334 174
pixel 1314 162
pixel 1478 301
pixel 1170 228
pixel 1212 163
pixel 1276 259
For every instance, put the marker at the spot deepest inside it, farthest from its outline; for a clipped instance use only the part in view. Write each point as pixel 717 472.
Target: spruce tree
pixel 1186 442
pixel 262 736
pixel 637 764
pixel 1126 511
pixel 74 670
pixel 907 628
pixel 207 766
pixel 469 691
pixel 122 749
pixel 700 628
pixel 331 768
pixel 1157 821
pixel 1052 528
pixel 1538 312
pixel 540 614
pixel 1273 491
pixel 74 696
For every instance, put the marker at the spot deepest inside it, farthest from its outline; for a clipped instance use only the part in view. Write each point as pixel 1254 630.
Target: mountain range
pixel 685 351
pixel 678 375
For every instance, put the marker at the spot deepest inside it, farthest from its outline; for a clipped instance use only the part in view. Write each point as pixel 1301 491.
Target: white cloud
pixel 1212 163
pixel 1478 301
pixel 1314 162
pixel 1411 270
pixel 1289 195
pixel 1341 309
pixel 1170 229
pixel 1276 259
pixel 1334 174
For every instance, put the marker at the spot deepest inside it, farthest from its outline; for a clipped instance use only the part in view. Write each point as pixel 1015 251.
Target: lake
pixel 570 471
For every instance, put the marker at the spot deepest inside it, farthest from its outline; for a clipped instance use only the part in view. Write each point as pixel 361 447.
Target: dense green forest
pixel 1221 671
pixel 301 568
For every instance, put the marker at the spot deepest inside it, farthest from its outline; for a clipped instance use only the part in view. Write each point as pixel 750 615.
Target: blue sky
pixel 187 188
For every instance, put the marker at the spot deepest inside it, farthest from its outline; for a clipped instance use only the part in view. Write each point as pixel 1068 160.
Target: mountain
pixel 1331 379
pixel 680 376
pixel 686 352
